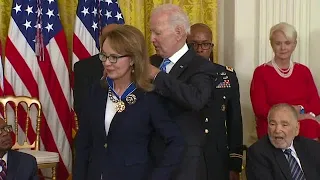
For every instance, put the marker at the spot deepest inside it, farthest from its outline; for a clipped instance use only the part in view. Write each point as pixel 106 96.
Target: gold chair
pixel 45 159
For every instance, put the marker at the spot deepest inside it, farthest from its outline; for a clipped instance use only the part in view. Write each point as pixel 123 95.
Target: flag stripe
pixel 58 99
pixel 20 65
pixel 79 50
pixel 87 41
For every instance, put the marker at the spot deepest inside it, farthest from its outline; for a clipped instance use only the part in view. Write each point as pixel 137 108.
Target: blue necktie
pixel 296 172
pixel 164 64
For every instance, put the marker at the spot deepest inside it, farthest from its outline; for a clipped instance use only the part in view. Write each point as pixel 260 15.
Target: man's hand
pixel 153 71
pixel 306 116
pixel 233 175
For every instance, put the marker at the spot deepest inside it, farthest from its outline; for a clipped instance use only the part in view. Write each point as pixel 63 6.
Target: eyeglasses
pixel 112 58
pixel 204 46
pixel 7 128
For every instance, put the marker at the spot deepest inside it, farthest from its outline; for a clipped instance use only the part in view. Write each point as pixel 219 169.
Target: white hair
pixel 176 16
pixel 287 29
pixel 282 106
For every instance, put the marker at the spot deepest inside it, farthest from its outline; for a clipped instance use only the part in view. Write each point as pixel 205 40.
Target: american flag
pixel 92 15
pixel 43 75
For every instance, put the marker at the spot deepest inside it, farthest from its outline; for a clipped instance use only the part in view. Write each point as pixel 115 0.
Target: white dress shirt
pixel 109 114
pixel 5 158
pixel 294 154
pixel 175 57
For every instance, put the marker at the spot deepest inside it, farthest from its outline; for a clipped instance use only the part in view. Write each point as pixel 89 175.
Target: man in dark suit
pixel 184 80
pixel 86 72
pixel 283 155
pixel 222 116
pixel 14 164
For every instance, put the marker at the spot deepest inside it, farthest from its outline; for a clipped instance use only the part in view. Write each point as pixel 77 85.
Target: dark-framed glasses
pixel 111 58
pixel 204 46
pixel 7 128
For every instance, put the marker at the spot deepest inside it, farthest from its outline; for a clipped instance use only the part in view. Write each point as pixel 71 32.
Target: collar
pixel 291 147
pixel 5 158
pixel 176 56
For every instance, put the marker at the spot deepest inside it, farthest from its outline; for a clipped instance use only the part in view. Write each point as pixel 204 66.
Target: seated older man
pixel 14 164
pixel 283 154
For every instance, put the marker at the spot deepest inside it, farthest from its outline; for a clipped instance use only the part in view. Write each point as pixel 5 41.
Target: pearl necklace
pixel 283 73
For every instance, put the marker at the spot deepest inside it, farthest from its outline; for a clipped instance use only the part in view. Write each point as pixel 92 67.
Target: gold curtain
pixel 135 12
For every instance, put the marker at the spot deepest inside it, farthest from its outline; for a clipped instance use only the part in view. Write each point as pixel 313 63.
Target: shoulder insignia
pixel 229 68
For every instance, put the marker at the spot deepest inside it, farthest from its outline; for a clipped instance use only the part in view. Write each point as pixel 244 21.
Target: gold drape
pixel 135 12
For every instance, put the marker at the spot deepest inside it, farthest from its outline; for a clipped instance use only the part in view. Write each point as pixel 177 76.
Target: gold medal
pixel 120 106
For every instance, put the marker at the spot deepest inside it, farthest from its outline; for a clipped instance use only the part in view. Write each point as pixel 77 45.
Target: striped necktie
pixel 164 64
pixel 3 170
pixel 296 171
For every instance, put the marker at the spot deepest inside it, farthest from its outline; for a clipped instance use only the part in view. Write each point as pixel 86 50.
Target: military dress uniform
pixel 222 123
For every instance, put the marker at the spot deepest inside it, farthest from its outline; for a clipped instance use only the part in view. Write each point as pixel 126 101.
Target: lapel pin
pixel 181 66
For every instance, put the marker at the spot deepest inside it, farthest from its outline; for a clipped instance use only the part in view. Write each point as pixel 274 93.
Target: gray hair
pixel 277 107
pixel 175 14
pixel 287 29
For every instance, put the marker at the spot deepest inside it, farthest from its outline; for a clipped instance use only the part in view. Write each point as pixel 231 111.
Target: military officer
pixel 222 121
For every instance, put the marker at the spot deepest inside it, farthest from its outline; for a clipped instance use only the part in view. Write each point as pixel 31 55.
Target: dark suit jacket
pixel 124 153
pixel 21 166
pixel 186 90
pixel 86 72
pixel 265 162
pixel 223 121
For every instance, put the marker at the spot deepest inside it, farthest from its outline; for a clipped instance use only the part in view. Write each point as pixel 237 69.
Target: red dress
pixel 269 88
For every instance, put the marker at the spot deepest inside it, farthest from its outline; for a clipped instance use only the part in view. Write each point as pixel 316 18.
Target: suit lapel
pixel 182 64
pixel 304 161
pixel 282 162
pixel 13 165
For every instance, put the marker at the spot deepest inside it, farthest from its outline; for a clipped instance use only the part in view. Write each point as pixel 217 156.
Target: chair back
pixel 16 103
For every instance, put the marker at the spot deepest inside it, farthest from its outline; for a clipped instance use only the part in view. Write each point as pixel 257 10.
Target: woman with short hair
pixel 283 81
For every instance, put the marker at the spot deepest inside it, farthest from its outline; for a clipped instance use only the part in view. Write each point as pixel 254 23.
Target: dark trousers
pixel 193 166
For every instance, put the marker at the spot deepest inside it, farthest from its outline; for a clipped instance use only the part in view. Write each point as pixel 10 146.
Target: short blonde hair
pixel 287 29
pixel 126 39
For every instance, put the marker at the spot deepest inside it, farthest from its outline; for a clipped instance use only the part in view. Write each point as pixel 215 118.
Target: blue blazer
pixel 124 153
pixel 21 166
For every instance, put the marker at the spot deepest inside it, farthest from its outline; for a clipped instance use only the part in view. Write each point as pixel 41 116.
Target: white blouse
pixel 110 112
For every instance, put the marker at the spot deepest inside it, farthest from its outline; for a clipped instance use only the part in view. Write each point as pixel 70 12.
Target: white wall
pixel 243 41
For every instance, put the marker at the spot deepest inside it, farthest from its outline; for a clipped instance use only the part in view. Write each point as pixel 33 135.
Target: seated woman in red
pixel 283 81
